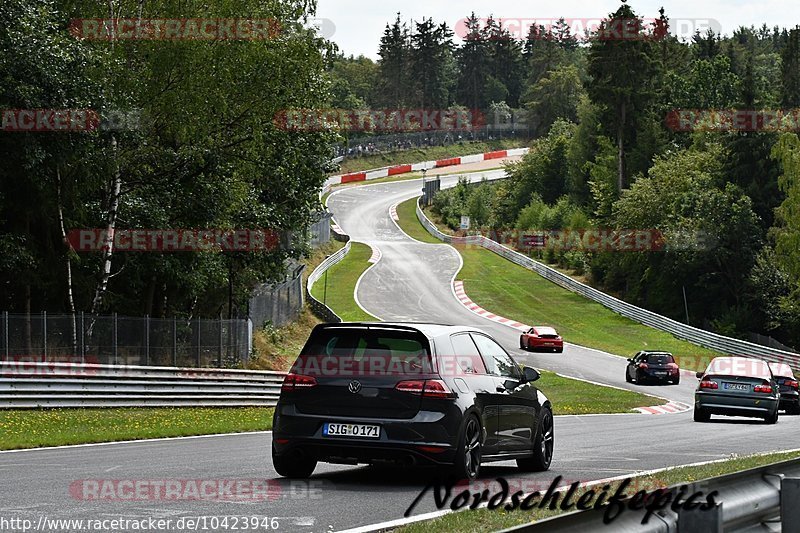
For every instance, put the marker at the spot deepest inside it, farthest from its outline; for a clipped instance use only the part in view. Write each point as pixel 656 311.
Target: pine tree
pixel 790 70
pixel 393 80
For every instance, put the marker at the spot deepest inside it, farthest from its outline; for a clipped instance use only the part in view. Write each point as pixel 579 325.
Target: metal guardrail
pixel 319 308
pixel 698 336
pixel 760 499
pixel 35 384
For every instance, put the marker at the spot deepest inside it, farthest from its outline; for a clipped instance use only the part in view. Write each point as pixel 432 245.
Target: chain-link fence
pixel 278 303
pixel 119 340
pixel 363 145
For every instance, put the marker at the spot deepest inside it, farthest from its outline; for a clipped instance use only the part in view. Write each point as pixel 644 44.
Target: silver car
pixel 737 386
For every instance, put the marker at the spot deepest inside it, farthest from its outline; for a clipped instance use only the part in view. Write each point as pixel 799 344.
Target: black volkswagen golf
pixel 414 394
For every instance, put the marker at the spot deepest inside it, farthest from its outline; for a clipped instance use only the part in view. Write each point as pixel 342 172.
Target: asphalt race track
pixel 412 282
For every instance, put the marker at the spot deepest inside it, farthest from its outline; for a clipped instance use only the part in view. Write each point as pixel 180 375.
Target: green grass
pixel 342 279
pixel 510 290
pixel 33 428
pixel 574 397
pixel 409 223
pixel 432 153
pixel 485 520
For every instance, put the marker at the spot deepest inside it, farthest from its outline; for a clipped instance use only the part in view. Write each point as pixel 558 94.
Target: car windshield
pixel 739 366
pixel 365 351
pixel 660 359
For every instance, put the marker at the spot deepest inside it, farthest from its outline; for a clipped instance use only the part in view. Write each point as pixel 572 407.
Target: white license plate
pixel 334 429
pixel 661 373
pixel 736 386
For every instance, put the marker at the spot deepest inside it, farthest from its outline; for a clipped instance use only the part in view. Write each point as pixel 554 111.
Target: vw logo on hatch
pixel 354 386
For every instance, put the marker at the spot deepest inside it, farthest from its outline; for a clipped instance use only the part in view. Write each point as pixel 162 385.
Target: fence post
pixel 197 326
pixel 219 365
pixel 5 334
pixel 174 341
pixel 44 334
pixel 114 338
pixel 147 340
pixel 83 340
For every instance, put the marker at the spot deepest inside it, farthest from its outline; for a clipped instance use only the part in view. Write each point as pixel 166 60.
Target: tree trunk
pixel 108 238
pixel 621 150
pixel 68 264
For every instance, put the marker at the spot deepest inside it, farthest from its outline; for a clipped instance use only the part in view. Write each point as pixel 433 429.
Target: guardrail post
pixel 147 340
pixel 699 521
pixel 5 334
pixel 44 334
pixel 790 497
pixel 114 338
pixel 174 341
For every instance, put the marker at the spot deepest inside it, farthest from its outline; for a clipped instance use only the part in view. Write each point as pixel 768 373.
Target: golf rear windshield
pixel 365 352
pixel 660 359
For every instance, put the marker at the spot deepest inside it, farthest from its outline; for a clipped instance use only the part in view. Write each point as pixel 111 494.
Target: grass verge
pixel 341 284
pixel 575 397
pixel 432 153
pixel 498 519
pixel 510 290
pixel 407 213
pixel 33 428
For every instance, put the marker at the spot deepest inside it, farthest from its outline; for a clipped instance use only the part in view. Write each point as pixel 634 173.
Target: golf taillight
pixel 709 385
pixel 430 388
pixel 673 368
pixel 643 366
pixel 792 384
pixel 766 389
pixel 294 382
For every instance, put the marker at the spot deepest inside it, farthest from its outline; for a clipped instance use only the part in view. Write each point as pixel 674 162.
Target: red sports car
pixel 541 338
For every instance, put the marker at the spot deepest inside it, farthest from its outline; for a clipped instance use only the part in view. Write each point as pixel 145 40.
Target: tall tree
pixel 621 72
pixel 790 70
pixel 393 86
pixel 473 63
pixel 431 63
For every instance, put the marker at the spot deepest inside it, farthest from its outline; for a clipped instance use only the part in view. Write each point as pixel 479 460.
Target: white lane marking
pixel 140 441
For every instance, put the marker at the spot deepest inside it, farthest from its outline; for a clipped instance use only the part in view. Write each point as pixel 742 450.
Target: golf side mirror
pixel 700 375
pixel 530 374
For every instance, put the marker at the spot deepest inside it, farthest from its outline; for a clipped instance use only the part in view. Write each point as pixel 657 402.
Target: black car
pixel 413 394
pixel 789 388
pixel 652 366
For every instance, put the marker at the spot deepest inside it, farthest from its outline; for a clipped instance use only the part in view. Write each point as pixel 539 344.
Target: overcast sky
pixel 358 24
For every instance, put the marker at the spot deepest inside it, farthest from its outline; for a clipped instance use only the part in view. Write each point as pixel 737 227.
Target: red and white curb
pixel 386 172
pixel 667 409
pixel 393 213
pixel 376 254
pixel 458 288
